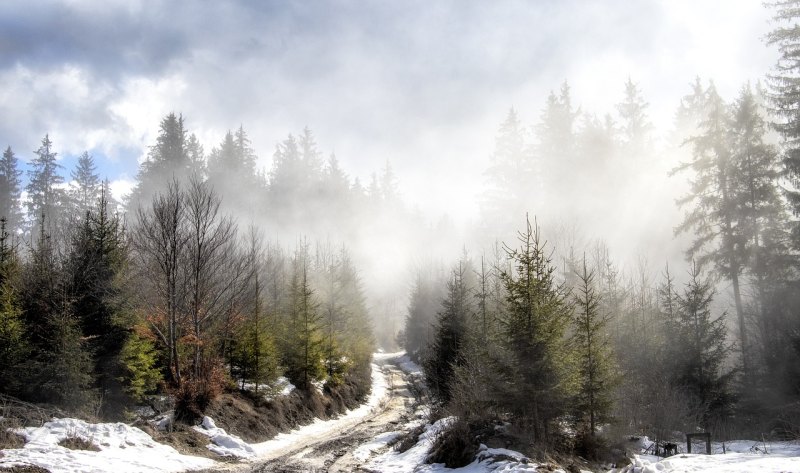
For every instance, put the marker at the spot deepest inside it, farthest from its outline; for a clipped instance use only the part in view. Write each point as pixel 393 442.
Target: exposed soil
pixel 183 438
pixel 256 419
pixel 24 469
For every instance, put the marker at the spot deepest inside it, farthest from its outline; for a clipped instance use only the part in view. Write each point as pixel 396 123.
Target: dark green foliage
pixel 10 191
pixel 255 356
pixel 94 273
pixel 720 228
pixel 595 360
pixel 302 347
pixel 64 369
pixel 449 338
pixel 703 349
pixel 426 297
pixel 13 346
pixel 535 368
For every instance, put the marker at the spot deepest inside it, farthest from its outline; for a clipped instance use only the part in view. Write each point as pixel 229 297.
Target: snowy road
pixel 349 444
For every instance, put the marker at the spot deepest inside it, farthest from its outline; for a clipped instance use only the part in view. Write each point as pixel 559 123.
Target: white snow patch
pixel 223 443
pixel 322 427
pixel 742 456
pixel 363 452
pixel 123 449
pixel 414 458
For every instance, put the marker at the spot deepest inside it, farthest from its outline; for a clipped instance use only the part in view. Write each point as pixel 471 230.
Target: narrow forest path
pixel 333 451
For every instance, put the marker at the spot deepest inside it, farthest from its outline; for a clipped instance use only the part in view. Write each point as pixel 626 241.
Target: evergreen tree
pixel 555 147
pixel 784 84
pixel 232 171
pixel 45 196
pixel 255 357
pixel 512 178
pixel 13 346
pixel 96 262
pixel 595 360
pixel 303 342
pixel 536 370
pixel 167 160
pixel 65 367
pixel 635 126
pixel 719 226
pixel 446 351
pixel 756 173
pixel 139 361
pixel 196 154
pixel 426 296
pixel 10 191
pixel 703 348
pixel 86 184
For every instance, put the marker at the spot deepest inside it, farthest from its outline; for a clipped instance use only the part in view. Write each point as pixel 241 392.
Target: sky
pixel 422 85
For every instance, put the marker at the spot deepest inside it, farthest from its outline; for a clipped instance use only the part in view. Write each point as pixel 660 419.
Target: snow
pixel 122 449
pixel 223 443
pixel 281 387
pixel 363 452
pixel 321 427
pixel 488 460
pixel 403 362
pixel 126 449
pixel 742 456
pixel 226 444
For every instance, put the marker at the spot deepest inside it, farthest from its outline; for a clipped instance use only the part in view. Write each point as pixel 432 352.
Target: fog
pixel 416 88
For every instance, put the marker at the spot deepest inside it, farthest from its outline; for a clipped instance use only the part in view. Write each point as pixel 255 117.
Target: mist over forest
pixel 567 214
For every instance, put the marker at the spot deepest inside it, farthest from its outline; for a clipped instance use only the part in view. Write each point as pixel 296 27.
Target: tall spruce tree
pixel 511 178
pixel 168 160
pixel 10 191
pixel 704 349
pixel 85 185
pixel 446 351
pixel 95 270
pixel 594 356
pixel 719 225
pixel 784 84
pixel 13 346
pixel 303 341
pixel 536 372
pixel 635 125
pixel 45 196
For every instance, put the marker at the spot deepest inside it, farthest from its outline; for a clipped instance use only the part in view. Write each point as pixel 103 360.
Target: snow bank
pixel 122 449
pixel 223 443
pixel 743 456
pixel 363 452
pixel 322 427
pixel 414 457
pixel 226 444
pixel 281 387
pixel 488 460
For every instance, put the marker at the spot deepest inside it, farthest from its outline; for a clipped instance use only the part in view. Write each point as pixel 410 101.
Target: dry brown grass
pixel 74 442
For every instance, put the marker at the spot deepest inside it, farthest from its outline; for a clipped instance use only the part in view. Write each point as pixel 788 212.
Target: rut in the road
pixel 334 452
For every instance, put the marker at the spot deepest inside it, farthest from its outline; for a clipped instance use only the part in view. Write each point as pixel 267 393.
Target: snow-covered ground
pixel 488 460
pixel 232 445
pixel 126 449
pixel 742 456
pixel 122 449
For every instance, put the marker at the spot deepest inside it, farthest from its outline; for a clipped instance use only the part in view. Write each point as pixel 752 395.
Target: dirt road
pixel 333 451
